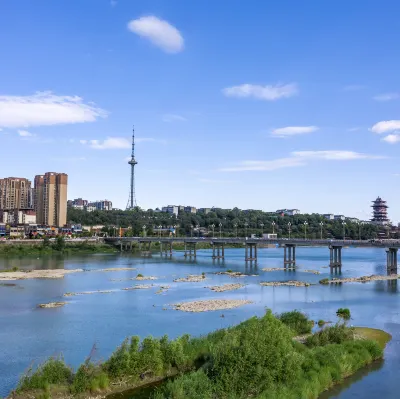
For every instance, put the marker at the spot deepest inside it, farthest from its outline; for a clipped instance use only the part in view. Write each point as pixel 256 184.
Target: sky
pixel 249 104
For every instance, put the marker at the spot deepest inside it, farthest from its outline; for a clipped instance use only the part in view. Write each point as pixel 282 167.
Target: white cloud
pixel 45 108
pixel 159 32
pixel 353 87
pixel 386 126
pixel 392 138
pixel 25 133
pixel 387 97
pixel 298 158
pixel 173 118
pixel 268 93
pixel 115 143
pixel 293 130
pixel 353 129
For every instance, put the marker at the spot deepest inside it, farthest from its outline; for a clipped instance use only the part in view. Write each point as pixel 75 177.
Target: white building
pixel 171 209
pixel 329 216
pixel 288 212
pixel 339 217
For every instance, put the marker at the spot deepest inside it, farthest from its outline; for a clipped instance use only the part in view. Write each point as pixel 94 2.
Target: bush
pixel 344 313
pixel 296 321
pixel 53 371
pixel 336 334
pixel 324 281
pixel 140 275
pixel 321 323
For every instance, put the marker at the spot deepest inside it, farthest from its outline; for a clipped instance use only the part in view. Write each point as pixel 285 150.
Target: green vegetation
pixel 297 322
pixel 47 247
pixel 257 358
pixel 379 336
pixel 140 275
pixel 344 313
pixel 321 323
pixel 134 220
pixel 324 281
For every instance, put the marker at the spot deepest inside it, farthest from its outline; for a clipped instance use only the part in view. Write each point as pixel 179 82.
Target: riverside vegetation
pixel 258 358
pixel 47 247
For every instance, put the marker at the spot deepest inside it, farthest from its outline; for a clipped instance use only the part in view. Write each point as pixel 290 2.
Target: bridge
pixel 251 245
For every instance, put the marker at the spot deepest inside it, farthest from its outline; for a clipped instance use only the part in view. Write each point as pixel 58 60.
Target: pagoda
pixel 379 212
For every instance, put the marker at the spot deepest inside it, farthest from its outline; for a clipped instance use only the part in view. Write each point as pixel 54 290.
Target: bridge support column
pixel 391 259
pixel 335 257
pixel 218 250
pixel 166 248
pixel 145 248
pixel 250 246
pixel 289 257
pixel 190 249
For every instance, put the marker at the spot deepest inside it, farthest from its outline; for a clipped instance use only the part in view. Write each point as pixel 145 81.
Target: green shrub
pixel 336 334
pixel 344 313
pixel 324 281
pixel 140 275
pixel 296 321
pixel 321 323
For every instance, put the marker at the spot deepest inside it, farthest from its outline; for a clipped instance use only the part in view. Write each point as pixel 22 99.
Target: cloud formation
pixel 299 158
pixel 173 118
pixel 25 133
pixel 293 130
pixel 267 93
pixel 161 33
pixel 46 109
pixel 386 126
pixel 387 97
pixel 392 138
pixel 114 143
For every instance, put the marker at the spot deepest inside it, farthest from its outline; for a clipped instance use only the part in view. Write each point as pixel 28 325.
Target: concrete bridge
pixel 251 245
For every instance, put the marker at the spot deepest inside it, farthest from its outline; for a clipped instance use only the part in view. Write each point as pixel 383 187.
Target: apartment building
pixel 51 199
pixel 15 193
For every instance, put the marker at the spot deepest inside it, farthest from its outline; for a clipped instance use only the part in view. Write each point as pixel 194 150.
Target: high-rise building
pixel 379 212
pixel 15 193
pixel 51 199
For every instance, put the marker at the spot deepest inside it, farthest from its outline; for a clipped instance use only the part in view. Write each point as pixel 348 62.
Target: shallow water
pixel 28 334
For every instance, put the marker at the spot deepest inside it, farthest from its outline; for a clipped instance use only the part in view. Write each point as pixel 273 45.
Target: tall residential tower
pixel 51 199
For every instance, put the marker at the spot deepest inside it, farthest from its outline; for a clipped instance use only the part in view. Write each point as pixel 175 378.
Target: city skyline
pixel 263 111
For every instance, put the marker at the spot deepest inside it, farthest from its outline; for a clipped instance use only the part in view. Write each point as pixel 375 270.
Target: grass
pixel 380 336
pixel 324 281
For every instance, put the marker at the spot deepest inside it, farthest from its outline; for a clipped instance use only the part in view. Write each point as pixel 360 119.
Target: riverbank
pixel 362 279
pixel 257 357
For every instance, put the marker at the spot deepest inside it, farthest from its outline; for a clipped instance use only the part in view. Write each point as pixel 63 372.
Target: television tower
pixel 132 195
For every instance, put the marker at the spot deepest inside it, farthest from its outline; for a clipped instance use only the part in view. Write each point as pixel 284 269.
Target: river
pixel 29 335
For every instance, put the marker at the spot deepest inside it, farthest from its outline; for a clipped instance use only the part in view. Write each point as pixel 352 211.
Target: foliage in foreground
pixel 257 358
pixel 343 313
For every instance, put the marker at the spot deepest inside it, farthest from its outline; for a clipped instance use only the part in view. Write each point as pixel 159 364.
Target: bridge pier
pixel 335 257
pixel 145 248
pixel 167 248
pixel 189 247
pixel 289 255
pixel 391 259
pixel 250 251
pixel 218 250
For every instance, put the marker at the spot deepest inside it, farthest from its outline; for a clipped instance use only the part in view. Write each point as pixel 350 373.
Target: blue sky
pixel 262 105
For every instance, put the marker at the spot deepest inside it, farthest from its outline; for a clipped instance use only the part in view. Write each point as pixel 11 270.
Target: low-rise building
pixel 288 212
pixel 270 236
pixel 2 229
pixel 329 216
pixel 190 209
pixel 102 205
pixel 339 217
pixel 171 209
pixel 204 210
pixel 353 220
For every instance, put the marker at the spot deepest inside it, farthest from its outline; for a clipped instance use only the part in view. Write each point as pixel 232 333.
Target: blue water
pixel 29 335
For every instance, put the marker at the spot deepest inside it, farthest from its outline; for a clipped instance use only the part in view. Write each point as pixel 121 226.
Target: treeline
pixel 258 358
pixel 233 222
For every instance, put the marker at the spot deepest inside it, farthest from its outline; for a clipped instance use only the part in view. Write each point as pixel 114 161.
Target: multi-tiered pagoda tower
pixel 379 212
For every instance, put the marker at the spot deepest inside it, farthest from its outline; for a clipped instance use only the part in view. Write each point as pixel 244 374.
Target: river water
pixel 29 335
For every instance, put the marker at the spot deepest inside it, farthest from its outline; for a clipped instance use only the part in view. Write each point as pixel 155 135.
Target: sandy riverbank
pixel 211 305
pixel 291 283
pixel 51 305
pixel 236 274
pixel 139 287
pixel 289 269
pixel 192 278
pixel 32 274
pixel 225 287
pixel 362 279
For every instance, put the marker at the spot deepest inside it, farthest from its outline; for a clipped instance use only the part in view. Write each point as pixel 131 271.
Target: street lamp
pixel 235 226
pixel 273 227
pixel 245 228
pixel 321 224
pixel 359 229
pixel 262 229
pixel 198 230
pixel 220 231
pixel 305 230
pixel 176 229
pixel 144 230
pixel 191 230
pixel 212 226
pixel 344 230
pixel 159 229
pixel 289 224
